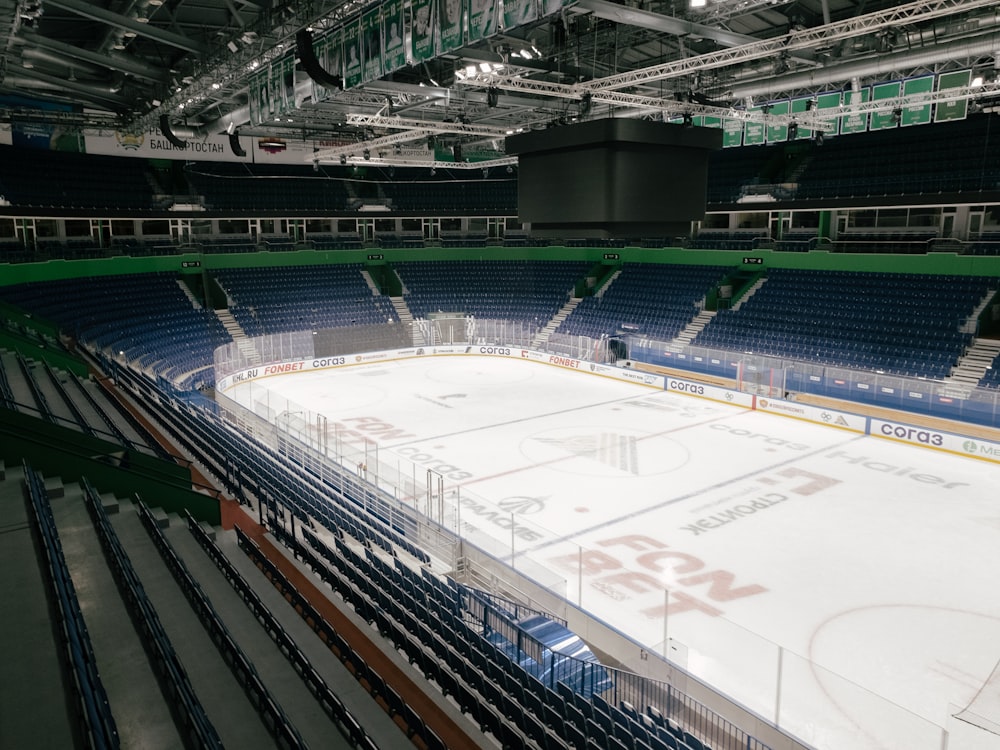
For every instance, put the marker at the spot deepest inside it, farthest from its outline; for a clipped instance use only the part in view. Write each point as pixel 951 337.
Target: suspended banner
pixel 394 57
pixel 352 54
pixel 957 110
pixel 917 114
pixel 519 12
pixel 778 132
pixel 801 106
pixel 828 102
pixel 261 108
pixel 371 46
pixel 321 48
pixel 422 30
pixel 856 122
pixel 885 119
pixel 483 21
pixel 449 25
pixel 753 133
pixel 732 132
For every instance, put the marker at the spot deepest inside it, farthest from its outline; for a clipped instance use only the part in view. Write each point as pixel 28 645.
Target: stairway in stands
pixel 750 292
pixel 543 334
pixel 406 318
pixel 195 302
pixel 977 359
pixel 691 330
pixel 240 338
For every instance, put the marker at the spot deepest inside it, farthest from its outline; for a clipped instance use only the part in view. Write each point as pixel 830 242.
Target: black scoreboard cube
pixel 613 178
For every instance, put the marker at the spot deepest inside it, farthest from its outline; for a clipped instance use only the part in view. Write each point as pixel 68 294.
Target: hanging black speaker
pixel 169 134
pixel 234 145
pixel 307 56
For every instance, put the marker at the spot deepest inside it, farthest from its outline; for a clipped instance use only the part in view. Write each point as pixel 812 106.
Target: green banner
pixel 886 118
pixel 917 114
pixel 449 25
pixel 371 48
pixel 956 110
pixel 422 30
pixel 753 132
pixel 482 19
pixel 828 103
pixel 801 106
pixel 519 12
pixel 352 54
pixel 778 132
pixel 856 122
pixel 732 132
pixel 327 51
pixel 392 33
pixel 711 121
pixel 284 78
pixel 275 91
pixel 259 97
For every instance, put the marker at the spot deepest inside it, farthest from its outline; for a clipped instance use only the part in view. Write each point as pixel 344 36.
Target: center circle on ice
pixel 603 451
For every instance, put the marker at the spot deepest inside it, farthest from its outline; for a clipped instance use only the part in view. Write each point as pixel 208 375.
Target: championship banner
pixel 519 12
pixel 753 132
pixel 917 114
pixel 801 106
pixel 371 25
pixel 327 52
pixel 828 102
pixel 253 98
pixel 856 122
pixel 550 7
pixel 732 132
pixel 394 56
pixel 422 30
pixel 284 78
pixel 260 87
pixel 885 120
pixel 956 110
pixel 777 133
pixel 482 20
pixel 352 54
pixel 449 25
pixel 275 89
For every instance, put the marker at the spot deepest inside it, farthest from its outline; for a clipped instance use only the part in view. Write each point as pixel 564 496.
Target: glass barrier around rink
pixel 779 377
pixel 809 702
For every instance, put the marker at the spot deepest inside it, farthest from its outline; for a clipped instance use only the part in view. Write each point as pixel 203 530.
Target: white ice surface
pixel 866 568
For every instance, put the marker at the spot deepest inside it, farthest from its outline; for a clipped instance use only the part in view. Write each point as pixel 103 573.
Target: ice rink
pixel 845 586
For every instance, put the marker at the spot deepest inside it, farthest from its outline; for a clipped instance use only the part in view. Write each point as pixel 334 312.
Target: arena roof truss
pixel 125 64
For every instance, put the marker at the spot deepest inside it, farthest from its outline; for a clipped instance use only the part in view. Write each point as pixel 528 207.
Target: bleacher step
pixel 54 487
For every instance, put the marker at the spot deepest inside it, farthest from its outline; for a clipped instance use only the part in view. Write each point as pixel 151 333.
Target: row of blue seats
pixel 271 714
pixel 388 698
pixel 94 708
pixel 188 710
pixel 555 716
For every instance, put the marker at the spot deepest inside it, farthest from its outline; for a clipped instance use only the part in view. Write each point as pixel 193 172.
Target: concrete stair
pixel 240 338
pixel 750 292
pixel 195 303
pixel 376 292
pixel 606 285
pixel 406 318
pixel 543 335
pixel 692 329
pixel 972 365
